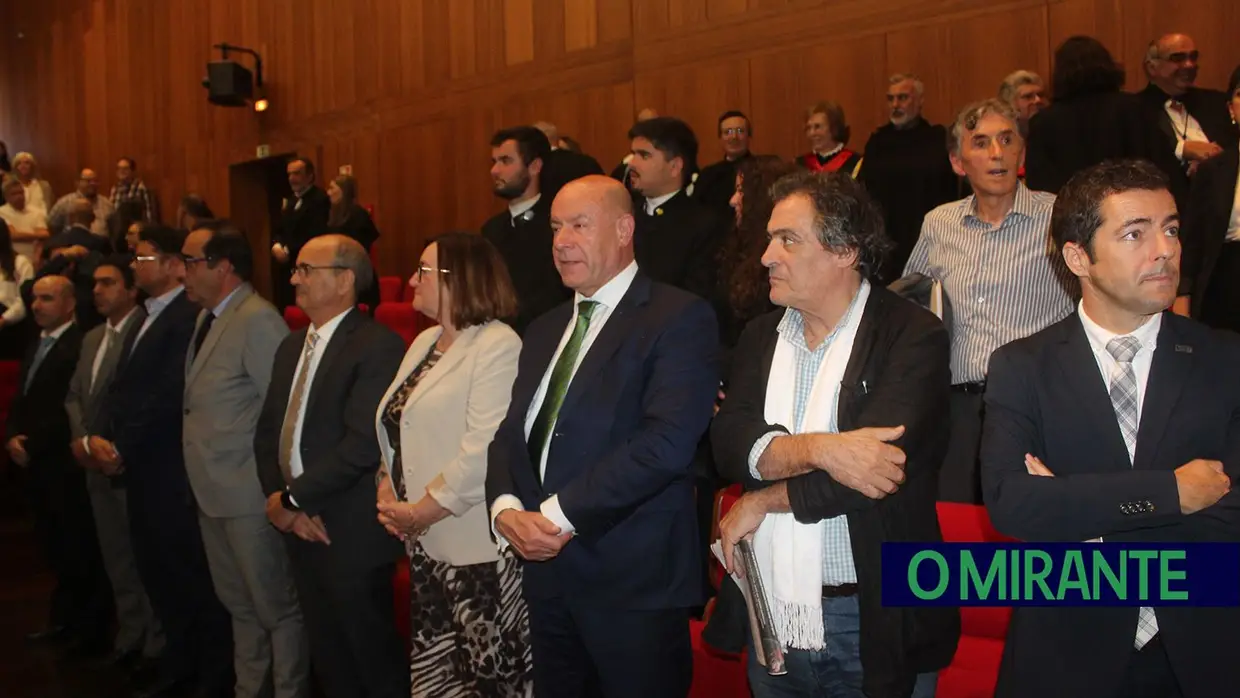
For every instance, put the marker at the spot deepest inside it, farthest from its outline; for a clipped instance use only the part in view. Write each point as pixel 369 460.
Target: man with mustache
pixel 1120 423
pixel 1193 119
pixel 989 252
pixel 522 234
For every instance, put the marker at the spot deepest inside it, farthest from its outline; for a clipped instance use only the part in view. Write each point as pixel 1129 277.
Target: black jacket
pixel 1206 218
pixel 678 244
pixel 39 413
pixel 1208 107
pixel 358 225
pixel 563 166
pixel 298 224
pixel 525 245
pixel 908 173
pixel 1045 396
pixel 898 373
pixel 716 184
pixel 339 451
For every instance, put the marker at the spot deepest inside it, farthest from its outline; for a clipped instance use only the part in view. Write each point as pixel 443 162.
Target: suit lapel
pixel 1082 377
pixel 334 349
pixel 539 349
pixel 618 328
pixel 197 360
pixel 452 357
pixel 1173 362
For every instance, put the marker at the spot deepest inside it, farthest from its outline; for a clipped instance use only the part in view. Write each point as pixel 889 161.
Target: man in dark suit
pixel 1193 120
pixel 303 217
pixel 589 476
pixel 677 237
pixel 522 234
pixel 144 409
pixel 317 456
pixel 831 479
pixel 1119 422
pixel 716 184
pixel 139 639
pixel 75 252
pixel 38 440
pixel 562 166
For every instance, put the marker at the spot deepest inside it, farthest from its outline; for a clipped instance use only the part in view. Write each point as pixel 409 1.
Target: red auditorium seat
pixel 401 318
pixel 975 668
pixel 295 318
pixel 389 289
pixel 717 674
pixel 10 374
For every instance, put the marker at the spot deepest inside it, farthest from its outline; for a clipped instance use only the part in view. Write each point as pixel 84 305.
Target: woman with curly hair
pixel 1091 120
pixel 743 278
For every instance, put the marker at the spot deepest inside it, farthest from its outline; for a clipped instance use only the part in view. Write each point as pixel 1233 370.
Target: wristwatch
pixel 286 500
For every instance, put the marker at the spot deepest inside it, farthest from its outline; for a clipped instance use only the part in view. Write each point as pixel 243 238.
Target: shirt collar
pixel 55 334
pixel 154 305
pixel 1022 205
pixel 1099 336
pixel 219 309
pixel 837 149
pixel 515 210
pixel 652 204
pixel 120 326
pixel 792 326
pixel 329 328
pixel 611 293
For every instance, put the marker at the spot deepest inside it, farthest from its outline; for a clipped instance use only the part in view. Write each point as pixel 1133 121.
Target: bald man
pixel 589 478
pixel 317 456
pixel 1194 120
pixel 38 440
pixel 87 188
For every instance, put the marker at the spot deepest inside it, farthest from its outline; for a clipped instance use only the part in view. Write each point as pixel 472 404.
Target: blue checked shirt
pixel 837 556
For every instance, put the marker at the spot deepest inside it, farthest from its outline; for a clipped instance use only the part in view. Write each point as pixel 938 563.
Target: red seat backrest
pixel 401 318
pixel 969 523
pixel 296 318
pixel 389 289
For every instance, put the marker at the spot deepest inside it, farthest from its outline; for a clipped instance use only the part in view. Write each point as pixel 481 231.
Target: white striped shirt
pixel 1003 282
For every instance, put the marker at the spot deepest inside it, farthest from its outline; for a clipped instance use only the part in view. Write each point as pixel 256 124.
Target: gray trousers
pixel 138 628
pixel 252 578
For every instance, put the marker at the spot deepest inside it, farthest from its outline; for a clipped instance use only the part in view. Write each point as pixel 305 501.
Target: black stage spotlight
pixel 230 84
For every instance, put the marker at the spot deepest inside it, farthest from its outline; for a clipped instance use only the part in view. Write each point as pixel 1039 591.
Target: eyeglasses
pixel 734 131
pixel 191 261
pixel 427 269
pixel 1182 56
pixel 305 269
pixel 146 258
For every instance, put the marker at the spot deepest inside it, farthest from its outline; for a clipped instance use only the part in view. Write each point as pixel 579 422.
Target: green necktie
pixel 557 387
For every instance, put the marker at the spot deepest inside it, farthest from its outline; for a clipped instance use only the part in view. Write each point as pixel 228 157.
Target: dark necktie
pixel 557 387
pixel 202 333
pixel 45 345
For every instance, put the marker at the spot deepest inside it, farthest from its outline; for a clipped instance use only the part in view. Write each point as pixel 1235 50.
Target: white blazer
pixel 447 425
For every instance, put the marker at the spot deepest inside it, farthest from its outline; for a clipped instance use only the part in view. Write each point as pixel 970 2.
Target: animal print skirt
pixel 470 633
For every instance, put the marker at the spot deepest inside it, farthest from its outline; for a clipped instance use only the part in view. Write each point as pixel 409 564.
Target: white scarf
pixel 789 553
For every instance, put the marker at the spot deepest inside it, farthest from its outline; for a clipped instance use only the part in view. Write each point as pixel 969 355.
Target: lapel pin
pixel 658 211
pixel 528 215
pixel 1184 348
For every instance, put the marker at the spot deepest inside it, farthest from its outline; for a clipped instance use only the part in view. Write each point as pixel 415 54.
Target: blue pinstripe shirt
pixel 1003 282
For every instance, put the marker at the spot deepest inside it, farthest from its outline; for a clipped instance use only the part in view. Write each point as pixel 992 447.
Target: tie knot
pixel 46 341
pixel 1123 348
pixel 312 339
pixel 1177 105
pixel 586 308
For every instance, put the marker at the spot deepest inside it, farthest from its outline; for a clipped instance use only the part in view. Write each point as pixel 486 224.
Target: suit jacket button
pixel 187 411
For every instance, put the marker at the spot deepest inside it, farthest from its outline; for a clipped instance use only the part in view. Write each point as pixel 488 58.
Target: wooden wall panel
pixel 408 92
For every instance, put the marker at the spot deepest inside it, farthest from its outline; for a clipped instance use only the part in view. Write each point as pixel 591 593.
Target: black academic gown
pixel 908 174
pixel 525 245
pixel 717 183
pixel 677 244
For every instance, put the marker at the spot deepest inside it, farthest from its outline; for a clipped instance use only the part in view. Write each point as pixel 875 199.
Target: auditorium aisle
pixel 35 671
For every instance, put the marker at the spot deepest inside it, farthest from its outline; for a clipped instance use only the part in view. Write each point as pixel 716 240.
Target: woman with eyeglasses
pixel 470 629
pixel 1210 265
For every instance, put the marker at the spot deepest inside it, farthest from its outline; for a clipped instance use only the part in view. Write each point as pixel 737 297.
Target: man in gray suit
pixel 139 638
pixel 228 369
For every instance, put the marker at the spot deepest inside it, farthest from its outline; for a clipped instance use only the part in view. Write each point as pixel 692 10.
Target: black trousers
pixel 356 650
pixel 589 651
pixel 82 597
pixel 1220 308
pixel 959 478
pixel 167 546
pixel 1149 674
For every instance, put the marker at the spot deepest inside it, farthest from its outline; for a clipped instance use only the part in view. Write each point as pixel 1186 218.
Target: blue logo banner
pixel 1061 574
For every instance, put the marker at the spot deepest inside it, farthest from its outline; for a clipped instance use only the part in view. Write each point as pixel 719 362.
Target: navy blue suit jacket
pixel 621 457
pixel 144 403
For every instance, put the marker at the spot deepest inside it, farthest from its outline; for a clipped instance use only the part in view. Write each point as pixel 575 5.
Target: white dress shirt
pixel 11 290
pixel 607 298
pixel 1184 125
pixel 27 220
pixel 155 306
pixel 1146 334
pixel 652 204
pixel 325 336
pixel 516 209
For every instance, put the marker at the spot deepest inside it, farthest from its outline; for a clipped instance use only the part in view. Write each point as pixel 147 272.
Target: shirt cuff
pixel 759 447
pixel 555 514
pixel 1179 151
pixel 503 503
pixel 86 444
